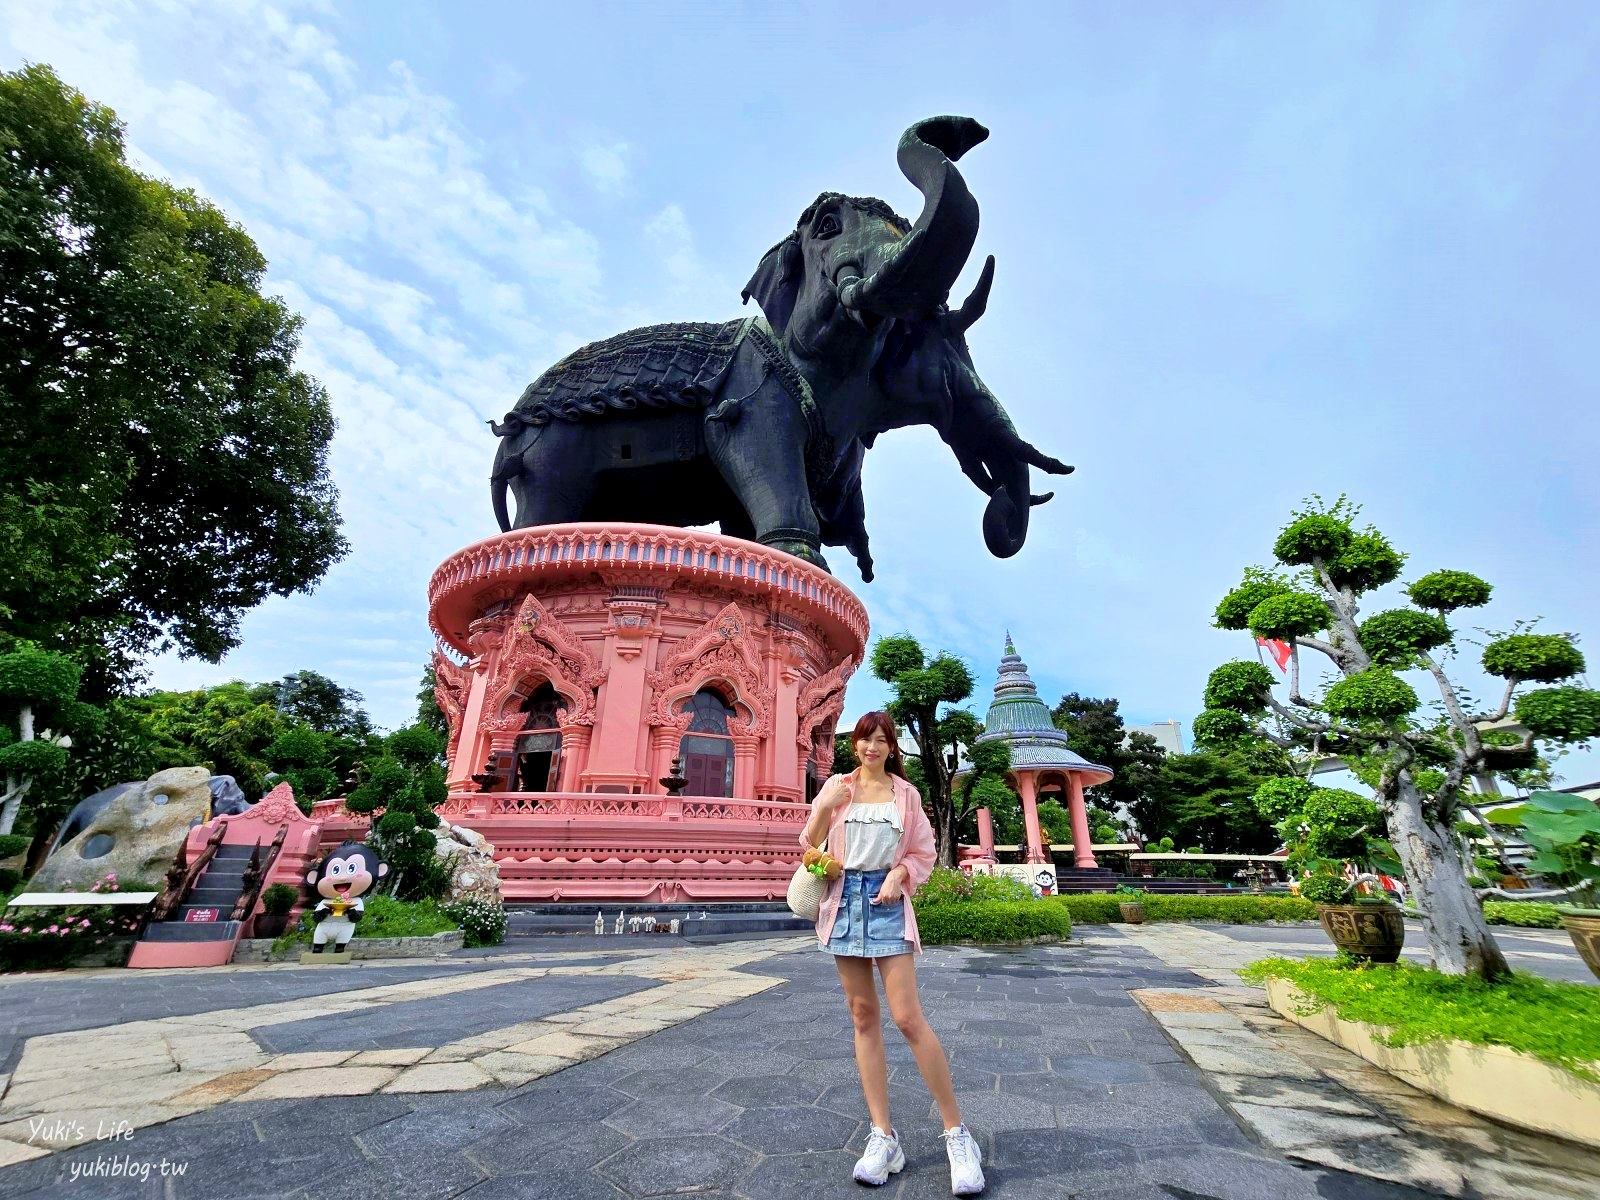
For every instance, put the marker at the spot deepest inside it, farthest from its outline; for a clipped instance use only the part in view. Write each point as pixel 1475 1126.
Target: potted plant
pixel 1362 925
pixel 276 902
pixel 1564 831
pixel 1130 901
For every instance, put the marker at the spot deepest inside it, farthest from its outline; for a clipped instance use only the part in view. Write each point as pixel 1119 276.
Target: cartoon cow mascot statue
pixel 341 882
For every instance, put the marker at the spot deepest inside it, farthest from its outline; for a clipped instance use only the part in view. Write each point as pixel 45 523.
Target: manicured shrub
pixel 279 898
pixel 1535 657
pixel 1229 910
pixel 1446 591
pixel 945 886
pixel 1564 713
pixel 1556 1022
pixel 1528 914
pixel 13 843
pixel 1375 694
pixel 1312 536
pixel 1241 685
pixel 1368 562
pixel 1290 615
pixel 1217 727
pixel 1091 908
pixel 1396 637
pixel 1233 611
pixel 992 921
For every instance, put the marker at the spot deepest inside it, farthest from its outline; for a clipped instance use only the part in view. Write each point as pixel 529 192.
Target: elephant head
pixel 858 294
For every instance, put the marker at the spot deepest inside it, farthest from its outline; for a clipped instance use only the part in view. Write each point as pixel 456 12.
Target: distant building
pixel 1167 734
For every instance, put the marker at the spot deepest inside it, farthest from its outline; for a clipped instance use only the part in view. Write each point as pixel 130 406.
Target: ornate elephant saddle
pixel 656 367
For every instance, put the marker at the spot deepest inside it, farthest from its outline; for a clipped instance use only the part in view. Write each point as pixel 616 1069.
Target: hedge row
pixel 1102 908
pixel 1528 914
pixel 992 921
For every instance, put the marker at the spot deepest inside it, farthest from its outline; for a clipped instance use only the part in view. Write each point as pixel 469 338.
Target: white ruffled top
pixel 872 836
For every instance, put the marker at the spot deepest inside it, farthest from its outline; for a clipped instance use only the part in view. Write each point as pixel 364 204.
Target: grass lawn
pixel 1556 1022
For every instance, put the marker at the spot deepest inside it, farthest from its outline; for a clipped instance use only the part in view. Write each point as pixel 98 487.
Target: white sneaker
pixel 882 1159
pixel 966 1162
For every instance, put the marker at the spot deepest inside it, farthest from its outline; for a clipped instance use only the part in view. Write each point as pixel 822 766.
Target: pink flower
pixel 52 929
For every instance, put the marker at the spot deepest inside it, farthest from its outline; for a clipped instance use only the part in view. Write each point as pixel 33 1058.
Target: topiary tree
pixel 36 687
pixel 406 784
pixel 1418 768
pixel 921 687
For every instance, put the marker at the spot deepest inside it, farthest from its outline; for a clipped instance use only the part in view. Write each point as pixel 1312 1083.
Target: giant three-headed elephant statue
pixel 761 425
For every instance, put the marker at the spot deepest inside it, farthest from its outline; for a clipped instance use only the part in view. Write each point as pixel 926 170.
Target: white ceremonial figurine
pixel 599 923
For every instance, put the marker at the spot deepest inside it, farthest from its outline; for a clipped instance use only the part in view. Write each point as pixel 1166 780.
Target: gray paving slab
pixel 1069 1087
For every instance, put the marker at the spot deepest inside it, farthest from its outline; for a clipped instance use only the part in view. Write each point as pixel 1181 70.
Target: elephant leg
pixel 553 485
pixel 761 456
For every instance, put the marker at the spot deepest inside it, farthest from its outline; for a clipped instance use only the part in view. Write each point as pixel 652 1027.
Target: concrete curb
pixel 259 950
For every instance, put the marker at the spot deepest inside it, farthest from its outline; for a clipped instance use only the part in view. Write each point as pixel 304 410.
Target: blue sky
pixel 1246 253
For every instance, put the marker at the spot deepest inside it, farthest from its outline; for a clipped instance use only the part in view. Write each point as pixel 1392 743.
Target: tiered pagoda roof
pixel 1019 718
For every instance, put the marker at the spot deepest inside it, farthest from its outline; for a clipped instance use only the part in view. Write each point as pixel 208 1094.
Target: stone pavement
pixel 615 1068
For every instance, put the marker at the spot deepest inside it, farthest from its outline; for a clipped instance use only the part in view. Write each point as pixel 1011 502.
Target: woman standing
pixel 872 822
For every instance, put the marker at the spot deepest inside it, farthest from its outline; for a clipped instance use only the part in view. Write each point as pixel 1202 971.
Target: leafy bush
pixel 1340 823
pixel 945 886
pixel 1229 910
pixel 1570 714
pixel 13 843
pixel 482 921
pixel 1396 637
pixel 279 898
pixel 1374 694
pixel 1537 657
pixel 1233 612
pixel 991 921
pixel 1527 914
pixel 1446 591
pixel 1368 562
pixel 1092 908
pixel 10 882
pixel 1290 615
pixel 1312 536
pixel 1558 1023
pixel 1216 727
pixel 1325 888
pixel 1241 685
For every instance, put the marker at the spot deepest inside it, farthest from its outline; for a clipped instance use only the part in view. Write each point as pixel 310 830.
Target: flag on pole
pixel 1280 651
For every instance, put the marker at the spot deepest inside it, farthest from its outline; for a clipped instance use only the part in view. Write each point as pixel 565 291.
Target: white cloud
pixel 605 165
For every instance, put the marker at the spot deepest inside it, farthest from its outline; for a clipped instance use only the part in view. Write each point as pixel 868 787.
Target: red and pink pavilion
pixel 576 662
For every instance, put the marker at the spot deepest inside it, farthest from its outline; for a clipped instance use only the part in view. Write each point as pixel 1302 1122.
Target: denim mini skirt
pixel 864 929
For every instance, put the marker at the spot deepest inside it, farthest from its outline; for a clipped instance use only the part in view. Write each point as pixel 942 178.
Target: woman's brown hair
pixel 880 722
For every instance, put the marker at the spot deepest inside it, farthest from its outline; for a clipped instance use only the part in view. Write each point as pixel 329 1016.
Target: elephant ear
pixel 776 283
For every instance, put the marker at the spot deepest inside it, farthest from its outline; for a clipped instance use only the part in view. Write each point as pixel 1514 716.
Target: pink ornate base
pixel 601 634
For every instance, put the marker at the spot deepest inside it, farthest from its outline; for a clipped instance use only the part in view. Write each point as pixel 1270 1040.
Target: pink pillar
pixel 471 745
pixel 986 834
pixel 1027 788
pixel 1083 856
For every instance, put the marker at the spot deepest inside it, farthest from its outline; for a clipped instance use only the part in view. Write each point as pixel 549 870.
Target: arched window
pixel 707 748
pixel 537 762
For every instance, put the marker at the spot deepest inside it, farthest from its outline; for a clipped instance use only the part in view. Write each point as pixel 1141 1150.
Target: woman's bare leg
pixel 900 987
pixel 861 990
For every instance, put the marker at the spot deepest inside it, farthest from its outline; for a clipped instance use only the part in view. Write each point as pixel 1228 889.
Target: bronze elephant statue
pixel 761 425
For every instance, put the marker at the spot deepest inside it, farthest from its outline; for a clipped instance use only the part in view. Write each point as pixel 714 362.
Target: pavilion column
pixel 1028 789
pixel 986 834
pixel 1083 856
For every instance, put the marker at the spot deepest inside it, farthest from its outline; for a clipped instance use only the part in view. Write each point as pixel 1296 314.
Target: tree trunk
pixel 1458 936
pixel 17 787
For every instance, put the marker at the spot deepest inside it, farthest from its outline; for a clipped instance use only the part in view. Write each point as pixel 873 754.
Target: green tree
pixel 321 704
pixel 924 691
pixel 1207 799
pixel 39 710
pixel 1095 730
pixel 1419 767
pixel 405 784
pixel 163 466
pixel 429 713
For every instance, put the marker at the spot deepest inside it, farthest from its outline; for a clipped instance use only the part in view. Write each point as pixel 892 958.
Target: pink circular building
pixel 576 662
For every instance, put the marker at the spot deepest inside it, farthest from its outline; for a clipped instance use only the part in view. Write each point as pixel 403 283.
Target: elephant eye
pixel 829 227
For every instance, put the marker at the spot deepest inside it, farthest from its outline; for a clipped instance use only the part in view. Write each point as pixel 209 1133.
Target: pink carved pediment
pixel 821 701
pixel 536 645
pixel 277 807
pixel 722 650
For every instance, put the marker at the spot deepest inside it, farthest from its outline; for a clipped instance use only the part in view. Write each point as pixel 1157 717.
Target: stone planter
pixel 1583 927
pixel 1375 932
pixel 259 950
pixel 1496 1081
pixel 1132 912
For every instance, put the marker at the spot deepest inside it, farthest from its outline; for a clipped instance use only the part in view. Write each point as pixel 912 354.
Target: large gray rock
pixel 136 833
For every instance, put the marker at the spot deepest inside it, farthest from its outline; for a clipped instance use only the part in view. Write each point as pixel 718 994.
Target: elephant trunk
pixel 916 274
pixel 498 486
pixel 996 458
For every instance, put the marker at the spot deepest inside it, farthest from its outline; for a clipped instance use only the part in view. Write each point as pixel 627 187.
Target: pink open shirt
pixel 916 855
